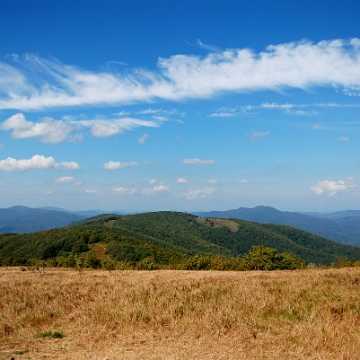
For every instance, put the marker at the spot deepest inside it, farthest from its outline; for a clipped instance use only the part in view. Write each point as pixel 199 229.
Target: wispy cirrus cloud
pixel 310 109
pixel 256 135
pixel 198 162
pixel 333 187
pixel 30 82
pixel 142 139
pixel 36 162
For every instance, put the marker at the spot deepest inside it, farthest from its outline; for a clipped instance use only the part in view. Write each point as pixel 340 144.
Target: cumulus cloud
pixel 117 165
pixel 36 162
pixel 344 138
pixel 301 65
pixel 156 189
pixel 212 181
pixel 68 179
pixel 333 187
pixel 143 139
pixel 199 193
pixel 48 130
pixel 124 191
pixel 197 162
pixel 70 165
pixel 181 181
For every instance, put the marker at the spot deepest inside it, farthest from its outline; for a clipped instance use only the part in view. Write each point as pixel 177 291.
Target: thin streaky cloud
pixel 299 65
pixel 143 139
pixel 256 135
pixel 198 162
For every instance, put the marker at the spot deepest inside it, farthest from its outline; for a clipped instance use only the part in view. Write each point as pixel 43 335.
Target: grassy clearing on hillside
pixel 64 314
pixel 218 223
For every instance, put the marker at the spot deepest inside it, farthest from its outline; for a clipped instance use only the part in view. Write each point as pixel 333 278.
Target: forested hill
pixel 341 226
pixel 168 237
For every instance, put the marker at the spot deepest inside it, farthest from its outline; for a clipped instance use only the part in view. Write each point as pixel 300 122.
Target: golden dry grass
pixel 307 314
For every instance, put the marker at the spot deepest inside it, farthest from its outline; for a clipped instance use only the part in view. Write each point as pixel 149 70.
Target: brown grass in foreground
pixel 307 314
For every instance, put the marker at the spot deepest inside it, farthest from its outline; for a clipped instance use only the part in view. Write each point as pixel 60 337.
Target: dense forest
pixel 172 240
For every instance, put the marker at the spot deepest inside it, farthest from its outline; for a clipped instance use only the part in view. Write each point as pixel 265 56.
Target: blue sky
pixel 180 105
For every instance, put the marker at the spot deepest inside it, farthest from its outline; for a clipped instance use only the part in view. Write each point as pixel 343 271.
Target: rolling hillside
pixel 342 226
pixel 170 238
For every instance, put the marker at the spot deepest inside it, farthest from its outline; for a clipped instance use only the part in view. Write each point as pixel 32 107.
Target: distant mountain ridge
pixel 22 219
pixel 341 226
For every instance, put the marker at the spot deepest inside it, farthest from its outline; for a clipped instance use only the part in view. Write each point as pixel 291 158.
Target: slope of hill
pixel 338 226
pixel 169 237
pixel 22 219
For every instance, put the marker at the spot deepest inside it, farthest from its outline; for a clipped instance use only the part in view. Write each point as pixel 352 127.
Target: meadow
pixel 164 314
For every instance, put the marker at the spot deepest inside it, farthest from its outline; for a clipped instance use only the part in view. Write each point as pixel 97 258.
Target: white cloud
pixel 197 162
pixel 65 179
pixel 70 165
pixel 36 162
pixel 143 139
pixel 91 191
pixel 69 180
pixel 105 128
pixel 156 189
pixel 181 181
pixel 344 138
pixel 222 114
pixel 256 135
pixel 152 182
pixel 317 127
pixel 48 130
pixel 332 187
pixel 202 193
pixel 124 191
pixel 117 165
pixel 212 181
pixel 302 65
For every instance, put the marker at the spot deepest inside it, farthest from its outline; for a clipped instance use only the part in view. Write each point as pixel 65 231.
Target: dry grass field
pixel 64 314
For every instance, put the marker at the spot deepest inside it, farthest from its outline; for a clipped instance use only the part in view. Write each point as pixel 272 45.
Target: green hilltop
pixel 171 240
